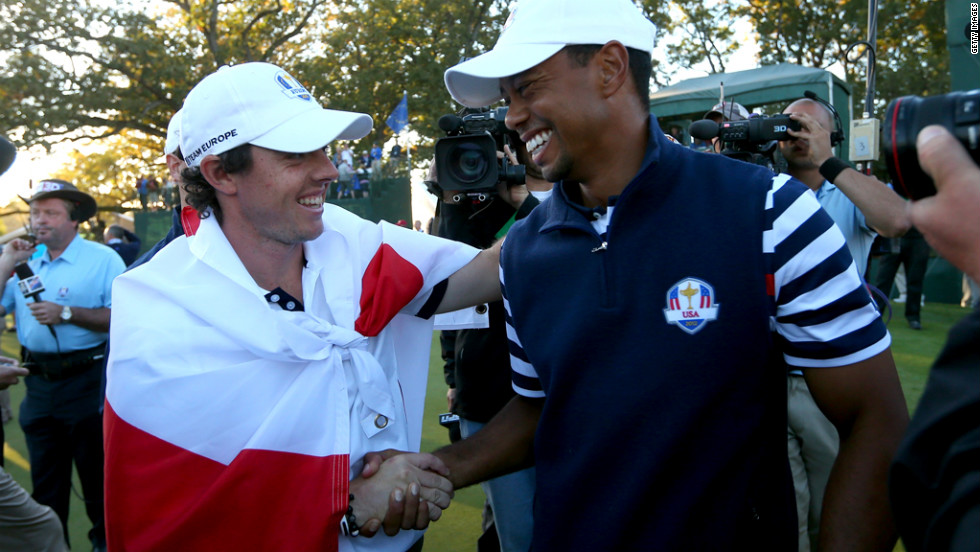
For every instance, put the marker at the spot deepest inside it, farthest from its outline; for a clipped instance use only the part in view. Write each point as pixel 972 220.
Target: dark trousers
pixel 62 425
pixel 914 254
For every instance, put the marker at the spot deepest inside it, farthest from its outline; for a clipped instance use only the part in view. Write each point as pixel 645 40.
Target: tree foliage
pixel 92 70
pixel 115 72
pixel 910 42
pixel 706 34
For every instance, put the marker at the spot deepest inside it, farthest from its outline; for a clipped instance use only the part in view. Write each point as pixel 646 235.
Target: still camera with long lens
pixel 958 112
pixel 466 159
pixel 754 140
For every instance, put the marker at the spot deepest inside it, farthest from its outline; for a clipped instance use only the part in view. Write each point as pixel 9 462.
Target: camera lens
pixel 468 163
pixel 958 112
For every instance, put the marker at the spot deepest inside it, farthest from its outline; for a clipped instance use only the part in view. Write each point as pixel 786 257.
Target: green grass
pixel 459 527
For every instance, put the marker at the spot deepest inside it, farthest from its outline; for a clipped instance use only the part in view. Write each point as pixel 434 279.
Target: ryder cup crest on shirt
pixel 691 303
pixel 263 105
pixel 535 30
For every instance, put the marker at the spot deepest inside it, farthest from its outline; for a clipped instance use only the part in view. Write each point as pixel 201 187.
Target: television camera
pixel 466 158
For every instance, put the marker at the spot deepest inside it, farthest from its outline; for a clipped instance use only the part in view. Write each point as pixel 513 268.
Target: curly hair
pixel 200 192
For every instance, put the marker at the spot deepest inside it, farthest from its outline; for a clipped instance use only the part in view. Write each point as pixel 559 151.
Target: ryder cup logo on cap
pixel 263 105
pixel 292 88
pixel 539 29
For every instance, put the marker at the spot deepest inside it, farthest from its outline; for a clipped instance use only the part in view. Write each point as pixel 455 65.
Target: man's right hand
pixel 18 250
pixel 406 490
pixel 816 137
pixel 949 219
pixel 10 370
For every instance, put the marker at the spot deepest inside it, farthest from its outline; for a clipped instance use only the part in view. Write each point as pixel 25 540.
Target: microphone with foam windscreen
pixel 30 285
pixel 705 129
pixel 7 154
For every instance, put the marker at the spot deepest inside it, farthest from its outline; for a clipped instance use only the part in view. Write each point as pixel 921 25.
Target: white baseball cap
pixel 173 134
pixel 537 30
pixel 263 105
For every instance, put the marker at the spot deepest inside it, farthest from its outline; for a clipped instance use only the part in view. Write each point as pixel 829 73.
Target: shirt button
pixel 274 298
pixel 290 305
pixel 380 421
pixel 597 215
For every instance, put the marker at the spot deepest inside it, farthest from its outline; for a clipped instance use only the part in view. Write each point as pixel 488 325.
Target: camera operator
pixel 722 112
pixel 934 483
pixel 479 380
pixel 860 205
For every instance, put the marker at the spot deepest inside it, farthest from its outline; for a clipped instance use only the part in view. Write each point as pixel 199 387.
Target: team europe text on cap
pixel 537 30
pixel 263 105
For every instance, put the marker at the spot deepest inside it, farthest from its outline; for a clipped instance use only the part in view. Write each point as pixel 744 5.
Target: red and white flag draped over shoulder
pixel 231 424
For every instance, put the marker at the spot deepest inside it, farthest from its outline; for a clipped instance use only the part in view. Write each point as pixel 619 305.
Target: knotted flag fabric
pixel 231 424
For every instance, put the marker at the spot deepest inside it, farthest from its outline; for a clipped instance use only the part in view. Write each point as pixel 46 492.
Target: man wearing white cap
pixel 257 361
pixel 651 392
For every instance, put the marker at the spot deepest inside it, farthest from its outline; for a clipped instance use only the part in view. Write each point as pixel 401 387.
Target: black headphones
pixel 837 136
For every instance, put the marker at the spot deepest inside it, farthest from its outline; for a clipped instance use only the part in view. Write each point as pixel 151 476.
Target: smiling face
pixel 280 198
pixel 556 110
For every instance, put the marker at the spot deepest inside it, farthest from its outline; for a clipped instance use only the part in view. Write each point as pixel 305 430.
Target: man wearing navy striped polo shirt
pixel 651 374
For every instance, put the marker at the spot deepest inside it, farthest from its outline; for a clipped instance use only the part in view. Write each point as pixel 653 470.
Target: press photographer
pixel 957 112
pixel 934 482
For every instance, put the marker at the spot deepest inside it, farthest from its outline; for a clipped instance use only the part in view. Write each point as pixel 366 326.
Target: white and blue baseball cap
pixel 539 29
pixel 263 105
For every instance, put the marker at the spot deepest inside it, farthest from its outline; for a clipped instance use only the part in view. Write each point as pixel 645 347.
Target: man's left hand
pixel 46 312
pixel 816 137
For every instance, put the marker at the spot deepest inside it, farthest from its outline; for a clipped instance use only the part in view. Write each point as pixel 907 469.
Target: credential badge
pixel 691 303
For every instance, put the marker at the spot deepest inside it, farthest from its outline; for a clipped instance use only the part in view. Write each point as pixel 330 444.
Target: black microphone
pixel 7 154
pixel 705 129
pixel 30 285
pixel 450 123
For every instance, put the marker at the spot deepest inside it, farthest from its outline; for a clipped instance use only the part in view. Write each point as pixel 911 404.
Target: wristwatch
pixel 65 313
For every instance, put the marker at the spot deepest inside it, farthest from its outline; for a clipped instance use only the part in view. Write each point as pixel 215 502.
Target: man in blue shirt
pixel 62 331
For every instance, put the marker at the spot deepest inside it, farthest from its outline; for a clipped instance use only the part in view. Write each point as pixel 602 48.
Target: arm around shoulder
pixel 477 282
